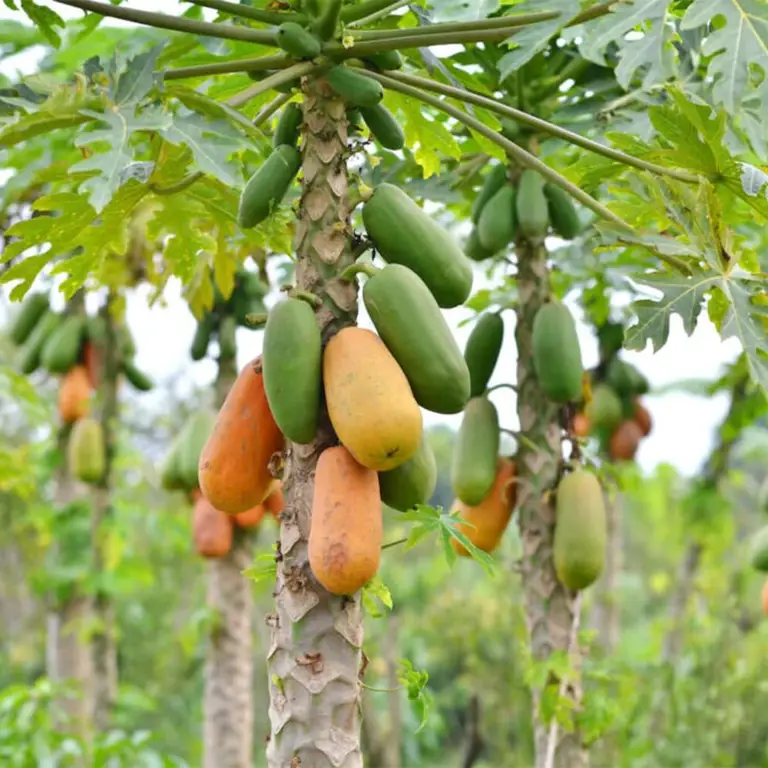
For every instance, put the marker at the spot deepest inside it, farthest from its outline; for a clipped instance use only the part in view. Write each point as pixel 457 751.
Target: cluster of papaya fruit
pixel 759 560
pixel 502 210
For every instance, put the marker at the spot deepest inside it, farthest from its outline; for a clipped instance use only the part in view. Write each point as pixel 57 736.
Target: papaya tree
pixel 670 192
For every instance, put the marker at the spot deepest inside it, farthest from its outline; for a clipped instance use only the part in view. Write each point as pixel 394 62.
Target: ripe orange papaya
pixel 492 515
pixel 234 463
pixel 580 425
pixel 370 402
pixel 625 440
pixel 211 530
pixel 92 363
pixel 643 418
pixel 275 502
pixel 74 395
pixel 272 505
pixel 765 598
pixel 346 530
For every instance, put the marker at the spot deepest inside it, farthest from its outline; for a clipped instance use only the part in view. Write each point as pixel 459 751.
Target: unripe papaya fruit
pixel 404 234
pixel 202 337
pixel 297 41
pixel 557 354
pixel 476 452
pixel 192 439
pixel 346 530
pixel 383 126
pixel 758 550
pixel 495 179
pixel 170 470
pixel 228 337
pixel 62 350
pixel 488 520
pixel 136 377
pixel 610 339
pixel 482 351
pixel 267 187
pixel 288 126
pixel 30 313
pixel 496 226
pixel 385 60
pixel 604 410
pixel 234 464
pixel 74 395
pixel 625 379
pixel 562 212
pixel 86 454
pixel 643 418
pixel 211 530
pixel 354 87
pixel 580 530
pixel 474 249
pixel 532 209
pixel 412 482
pixel 625 441
pixel 33 347
pixel 411 325
pixel 293 368
pixel 369 400
pixel 765 598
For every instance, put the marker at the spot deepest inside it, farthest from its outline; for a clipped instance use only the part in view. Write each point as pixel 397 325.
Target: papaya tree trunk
pixel 315 650
pixel 228 697
pixel 549 606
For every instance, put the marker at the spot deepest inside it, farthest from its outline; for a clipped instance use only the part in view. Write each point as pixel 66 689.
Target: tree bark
pixel 606 612
pixel 228 697
pixel 549 606
pixel 392 746
pixel 315 650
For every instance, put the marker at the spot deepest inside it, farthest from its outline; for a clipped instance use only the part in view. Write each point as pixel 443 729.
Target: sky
pixel 684 425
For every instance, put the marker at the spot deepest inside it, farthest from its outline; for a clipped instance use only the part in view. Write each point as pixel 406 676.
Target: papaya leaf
pixel 376 592
pixel 31 120
pixel 138 78
pixel 45 19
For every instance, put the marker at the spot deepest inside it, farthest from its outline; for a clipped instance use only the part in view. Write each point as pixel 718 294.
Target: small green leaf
pixel 138 78
pixel 45 20
pixel 375 592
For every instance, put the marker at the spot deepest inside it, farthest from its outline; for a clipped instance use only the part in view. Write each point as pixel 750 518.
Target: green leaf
pixel 264 567
pixel 375 592
pixel 138 78
pixel 45 20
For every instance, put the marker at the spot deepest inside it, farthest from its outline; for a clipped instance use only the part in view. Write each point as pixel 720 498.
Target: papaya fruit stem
pixel 273 81
pixel 179 186
pixel 380 14
pixel 356 269
pixel 312 299
pixel 247 12
pixel 251 64
pixel 269 109
pixel 500 386
pixel 380 690
pixel 394 543
pixel 256 320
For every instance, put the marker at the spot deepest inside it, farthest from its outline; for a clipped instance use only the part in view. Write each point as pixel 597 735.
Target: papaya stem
pixel 523 157
pixel 354 13
pixel 269 109
pixel 273 81
pixel 312 299
pixel 247 12
pixel 500 386
pixel 252 64
pixel 394 543
pixel 171 189
pixel 356 269
pixel 256 319
pixel 380 690
pixel 175 23
pixel 380 14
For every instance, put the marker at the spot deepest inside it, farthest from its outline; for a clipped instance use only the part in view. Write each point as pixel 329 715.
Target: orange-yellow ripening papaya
pixel 275 502
pixel 211 530
pixel 74 394
pixel 234 464
pixel 369 399
pixel 346 530
pixel 580 425
pixel 643 418
pixel 765 598
pixel 492 515
pixel 625 440
pixel 272 505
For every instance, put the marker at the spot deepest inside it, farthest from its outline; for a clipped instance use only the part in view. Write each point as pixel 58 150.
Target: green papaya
pixel 354 87
pixel 136 377
pixel 292 358
pixel 383 126
pixel 758 550
pixel 354 120
pixel 33 347
pixel 557 353
pixel 192 438
pixel 532 209
pixel 96 330
pixel 30 313
pixel 410 323
pixel 170 471
pixel 625 379
pixel 404 234
pixel 495 179
pixel 86 453
pixel 412 483
pixel 125 339
pixel 326 19
pixel 482 351
pixel 610 339
pixel 267 187
pixel 297 41
pixel 604 411
pixel 496 226
pixel 476 453
pixel 228 336
pixel 202 337
pixel 562 212
pixel 251 284
pixel 473 248
pixel 385 60
pixel 62 350
pixel 580 530
pixel 288 126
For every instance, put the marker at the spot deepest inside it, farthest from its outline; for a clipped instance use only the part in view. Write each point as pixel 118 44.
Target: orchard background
pixel 124 150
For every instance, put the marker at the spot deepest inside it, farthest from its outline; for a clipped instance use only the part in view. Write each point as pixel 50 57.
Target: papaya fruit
pixel 496 226
pixel 288 126
pixel 404 234
pixel 495 179
pixel 580 425
pixel 643 418
pixel 293 368
pixel 758 550
pixel 410 323
pixel 268 186
pixel 475 454
pixel 233 472
pixel 192 438
pixel 624 379
pixel 354 87
pixel 580 530
pixel 474 249
pixel 74 395
pixel 251 284
pixel 275 502
pixel 272 505
pixel 369 400
pixel 29 315
pixel 413 482
pixel 170 470
pixel 297 41
pixel 482 351
pixel 354 120
pixel 202 337
pixel 211 530
pixel 33 346
pixel 562 212
pixel 610 339
pixel 557 354
pixel 765 598
pixel 251 518
pixel 62 350
pixel 383 126
pixel 92 363
pixel 124 338
pixel 346 530
pixel 532 208
pixel 326 19
pixel 136 377
pixel 96 331
pixel 485 523
pixel 228 337
pixel 625 440
pixel 385 60
pixel 86 454
pixel 604 410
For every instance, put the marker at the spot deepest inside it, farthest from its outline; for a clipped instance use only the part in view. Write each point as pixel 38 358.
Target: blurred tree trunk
pixel 606 614
pixel 392 747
